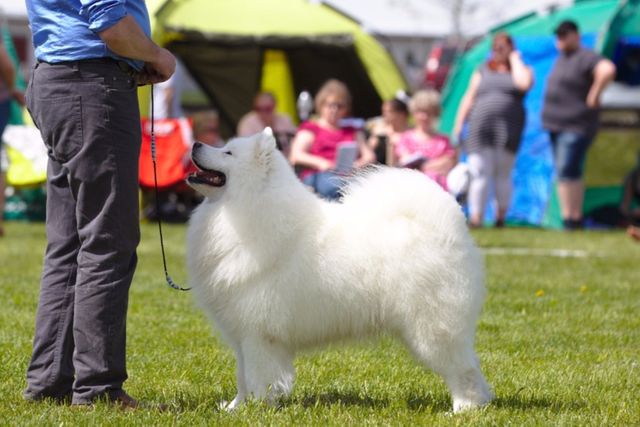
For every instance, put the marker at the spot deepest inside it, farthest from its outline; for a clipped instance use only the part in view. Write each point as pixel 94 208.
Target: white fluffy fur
pixel 279 270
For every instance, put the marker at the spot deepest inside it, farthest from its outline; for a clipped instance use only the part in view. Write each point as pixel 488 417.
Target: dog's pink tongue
pixel 212 178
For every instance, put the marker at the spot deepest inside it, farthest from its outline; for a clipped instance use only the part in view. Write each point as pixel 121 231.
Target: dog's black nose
pixel 196 146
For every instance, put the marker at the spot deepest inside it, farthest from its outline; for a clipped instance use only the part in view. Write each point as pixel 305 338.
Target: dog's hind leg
pixel 456 362
pixel 468 387
pixel 268 369
pixel 241 383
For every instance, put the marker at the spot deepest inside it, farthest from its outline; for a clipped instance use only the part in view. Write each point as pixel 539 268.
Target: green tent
pixel 601 23
pixel 235 48
pixel 625 24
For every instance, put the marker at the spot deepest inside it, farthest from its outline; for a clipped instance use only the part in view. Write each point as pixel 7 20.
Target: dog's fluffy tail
pixel 394 192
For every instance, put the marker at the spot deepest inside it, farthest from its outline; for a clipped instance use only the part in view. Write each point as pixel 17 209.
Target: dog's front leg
pixel 268 368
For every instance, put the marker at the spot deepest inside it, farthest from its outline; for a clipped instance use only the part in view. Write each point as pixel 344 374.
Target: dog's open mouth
pixel 212 178
pixel 205 176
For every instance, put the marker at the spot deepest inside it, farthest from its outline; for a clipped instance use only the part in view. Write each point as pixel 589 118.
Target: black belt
pixel 127 68
pixel 123 65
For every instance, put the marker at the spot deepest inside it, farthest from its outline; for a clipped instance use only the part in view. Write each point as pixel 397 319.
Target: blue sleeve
pixel 103 14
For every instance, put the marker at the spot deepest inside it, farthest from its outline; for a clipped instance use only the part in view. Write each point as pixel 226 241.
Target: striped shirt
pixel 497 115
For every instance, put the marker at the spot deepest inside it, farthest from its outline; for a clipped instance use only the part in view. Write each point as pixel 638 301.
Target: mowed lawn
pixel 559 340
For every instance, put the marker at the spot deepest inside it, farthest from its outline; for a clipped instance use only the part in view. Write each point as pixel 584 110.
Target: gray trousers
pixel 87 113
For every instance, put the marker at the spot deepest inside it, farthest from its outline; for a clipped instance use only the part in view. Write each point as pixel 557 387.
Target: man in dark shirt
pixel 570 114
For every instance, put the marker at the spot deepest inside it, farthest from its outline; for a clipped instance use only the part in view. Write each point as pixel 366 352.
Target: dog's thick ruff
pixel 278 270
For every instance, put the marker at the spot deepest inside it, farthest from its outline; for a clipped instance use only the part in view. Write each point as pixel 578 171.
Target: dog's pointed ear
pixel 265 146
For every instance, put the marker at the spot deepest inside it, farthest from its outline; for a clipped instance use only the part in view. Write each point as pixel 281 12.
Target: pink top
pixel 325 141
pixel 436 147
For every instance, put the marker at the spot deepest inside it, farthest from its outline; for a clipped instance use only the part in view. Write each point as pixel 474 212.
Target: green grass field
pixel 559 340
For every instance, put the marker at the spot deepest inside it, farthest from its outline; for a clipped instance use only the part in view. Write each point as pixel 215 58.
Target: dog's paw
pixel 460 405
pixel 230 406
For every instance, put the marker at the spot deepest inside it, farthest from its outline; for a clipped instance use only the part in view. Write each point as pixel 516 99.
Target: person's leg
pixel 570 150
pixel 3 186
pixel 480 167
pixel 4 119
pixel 503 182
pixel 325 184
pixel 571 195
pixel 104 180
pixel 50 372
pixel 88 116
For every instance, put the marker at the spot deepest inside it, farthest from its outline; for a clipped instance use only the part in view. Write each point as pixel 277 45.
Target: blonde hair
pixel 426 100
pixel 332 87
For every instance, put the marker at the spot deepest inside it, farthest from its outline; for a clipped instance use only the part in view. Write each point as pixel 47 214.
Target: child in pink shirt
pixel 422 147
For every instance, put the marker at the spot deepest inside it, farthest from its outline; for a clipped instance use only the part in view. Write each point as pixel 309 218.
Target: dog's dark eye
pixel 228 153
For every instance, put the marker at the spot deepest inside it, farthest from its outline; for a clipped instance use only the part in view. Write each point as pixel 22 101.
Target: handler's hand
pixel 158 70
pixel 325 165
pixel 18 95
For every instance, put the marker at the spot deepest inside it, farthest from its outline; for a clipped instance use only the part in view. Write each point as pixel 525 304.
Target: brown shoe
pixel 127 403
pixel 123 401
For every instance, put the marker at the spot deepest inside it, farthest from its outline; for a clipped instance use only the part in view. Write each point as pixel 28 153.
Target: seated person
pixel 386 130
pixel 264 114
pixel 206 128
pixel 422 147
pixel 315 147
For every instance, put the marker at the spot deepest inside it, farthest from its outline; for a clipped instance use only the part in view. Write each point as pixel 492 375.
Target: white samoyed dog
pixel 279 270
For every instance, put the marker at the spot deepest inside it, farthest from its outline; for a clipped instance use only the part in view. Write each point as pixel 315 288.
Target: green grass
pixel 558 339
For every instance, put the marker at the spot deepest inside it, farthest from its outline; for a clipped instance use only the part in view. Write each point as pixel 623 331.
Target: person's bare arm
pixel 367 155
pixel 521 74
pixel 466 103
pixel 442 164
pixel 8 74
pixel 300 155
pixel 603 73
pixel 127 39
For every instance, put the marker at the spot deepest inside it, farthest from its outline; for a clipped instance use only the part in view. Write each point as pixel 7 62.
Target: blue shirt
pixel 67 30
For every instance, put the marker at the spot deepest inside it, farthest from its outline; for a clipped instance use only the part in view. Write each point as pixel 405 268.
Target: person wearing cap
pixel 82 95
pixel 570 114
